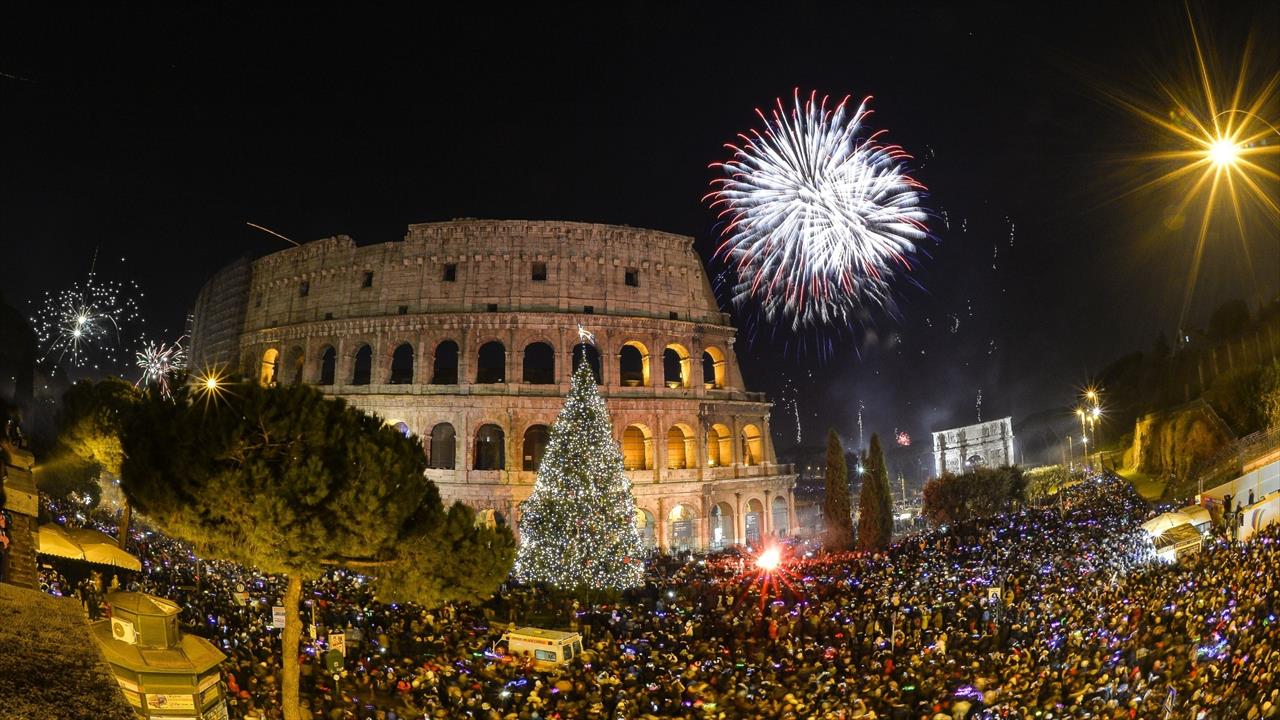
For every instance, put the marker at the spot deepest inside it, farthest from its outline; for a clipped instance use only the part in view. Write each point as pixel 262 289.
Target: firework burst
pixel 819 215
pixel 88 323
pixel 768 575
pixel 159 363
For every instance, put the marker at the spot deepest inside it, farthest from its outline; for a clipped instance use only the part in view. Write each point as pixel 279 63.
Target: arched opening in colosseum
pixel 647 527
pixel 722 534
pixel 752 445
pixel 402 365
pixel 781 516
pixel 401 427
pixel 490 451
pixel 713 366
pixel 539 364
pixel 491 363
pixel 534 446
pixel 682 529
pixel 362 368
pixel 328 365
pixel 444 365
pixel 637 448
pixel 753 521
pixel 443 447
pixel 267 371
pixel 633 364
pixel 588 352
pixel 675 366
pixel 295 359
pixel 681 454
pixel 719 446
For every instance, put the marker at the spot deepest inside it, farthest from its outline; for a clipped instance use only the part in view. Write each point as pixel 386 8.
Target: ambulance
pixel 548 648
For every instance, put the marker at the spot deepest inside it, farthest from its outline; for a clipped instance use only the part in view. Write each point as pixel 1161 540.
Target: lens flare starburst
pixel 819 215
pixel 1222 143
pixel 767 576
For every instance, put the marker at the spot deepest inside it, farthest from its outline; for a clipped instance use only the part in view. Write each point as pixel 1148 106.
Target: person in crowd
pixel 1083 623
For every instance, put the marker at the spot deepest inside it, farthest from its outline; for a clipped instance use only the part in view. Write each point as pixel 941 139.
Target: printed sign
pixel 157 701
pixel 338 641
pixel 277 616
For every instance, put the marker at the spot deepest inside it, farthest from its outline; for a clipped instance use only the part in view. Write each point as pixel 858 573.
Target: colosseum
pixel 466 333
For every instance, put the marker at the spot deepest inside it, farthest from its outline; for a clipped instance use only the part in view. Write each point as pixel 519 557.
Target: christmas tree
pixel 578 528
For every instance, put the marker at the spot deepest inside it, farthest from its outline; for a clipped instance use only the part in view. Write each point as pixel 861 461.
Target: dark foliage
pixel 836 511
pixel 952 498
pixel 875 503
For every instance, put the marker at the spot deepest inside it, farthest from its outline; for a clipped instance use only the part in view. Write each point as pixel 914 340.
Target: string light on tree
pixel 578 527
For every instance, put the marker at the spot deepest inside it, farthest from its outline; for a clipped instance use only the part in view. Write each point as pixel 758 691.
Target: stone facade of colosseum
pixel 466 333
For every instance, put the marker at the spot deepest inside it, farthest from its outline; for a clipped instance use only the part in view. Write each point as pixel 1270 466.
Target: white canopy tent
pixel 1162 522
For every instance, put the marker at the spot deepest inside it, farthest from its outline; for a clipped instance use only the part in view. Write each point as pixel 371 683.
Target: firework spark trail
pixel 159 362
pixel 88 322
pixel 819 216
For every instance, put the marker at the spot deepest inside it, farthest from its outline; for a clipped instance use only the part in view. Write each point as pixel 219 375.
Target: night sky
pixel 155 136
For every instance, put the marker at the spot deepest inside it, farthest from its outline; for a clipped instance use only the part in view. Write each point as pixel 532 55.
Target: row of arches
pixel 683 532
pixel 489 450
pixel 682 453
pixel 538 366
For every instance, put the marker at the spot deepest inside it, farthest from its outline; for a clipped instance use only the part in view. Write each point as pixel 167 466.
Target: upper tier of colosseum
pixel 467 266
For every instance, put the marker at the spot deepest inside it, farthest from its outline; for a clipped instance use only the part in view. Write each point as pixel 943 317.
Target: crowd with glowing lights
pixel 1088 625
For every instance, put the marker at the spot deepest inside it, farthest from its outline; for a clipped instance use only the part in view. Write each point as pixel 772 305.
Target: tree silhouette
pixel 875 503
pixel 836 511
pixel 290 482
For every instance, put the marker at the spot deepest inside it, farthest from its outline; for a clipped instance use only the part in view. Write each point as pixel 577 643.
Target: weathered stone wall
pixel 1177 440
pixel 341 316
pixel 218 316
pixel 22 506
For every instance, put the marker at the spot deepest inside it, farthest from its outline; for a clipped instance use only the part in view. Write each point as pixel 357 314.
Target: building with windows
pixel 466 334
pixel 985 444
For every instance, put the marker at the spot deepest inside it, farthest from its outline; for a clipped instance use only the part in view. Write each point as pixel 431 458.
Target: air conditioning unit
pixel 123 631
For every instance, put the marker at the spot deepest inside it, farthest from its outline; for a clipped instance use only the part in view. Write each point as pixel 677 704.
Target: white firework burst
pixel 88 323
pixel 819 215
pixel 159 363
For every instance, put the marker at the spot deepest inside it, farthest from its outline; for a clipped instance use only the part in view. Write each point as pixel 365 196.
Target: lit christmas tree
pixel 578 528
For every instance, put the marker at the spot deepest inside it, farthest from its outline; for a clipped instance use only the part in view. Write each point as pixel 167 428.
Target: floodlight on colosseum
pixel 209 384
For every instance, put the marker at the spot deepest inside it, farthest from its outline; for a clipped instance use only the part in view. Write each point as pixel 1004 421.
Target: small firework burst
pixel 903 439
pixel 159 363
pixel 88 324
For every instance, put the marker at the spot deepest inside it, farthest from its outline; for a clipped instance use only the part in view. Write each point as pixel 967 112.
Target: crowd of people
pixel 1061 612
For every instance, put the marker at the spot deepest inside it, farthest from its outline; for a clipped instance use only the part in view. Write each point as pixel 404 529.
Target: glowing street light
pixel 1224 152
pixel 1218 151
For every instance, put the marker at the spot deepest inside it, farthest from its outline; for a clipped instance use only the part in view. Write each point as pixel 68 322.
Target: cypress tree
pixel 836 511
pixel 875 504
